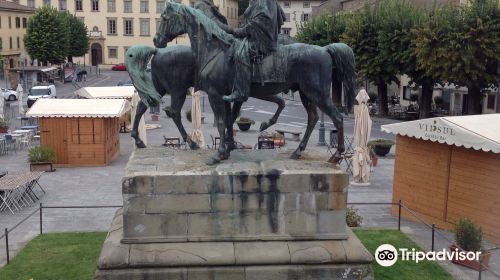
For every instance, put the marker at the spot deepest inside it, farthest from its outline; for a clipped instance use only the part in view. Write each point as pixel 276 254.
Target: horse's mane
pixel 208 24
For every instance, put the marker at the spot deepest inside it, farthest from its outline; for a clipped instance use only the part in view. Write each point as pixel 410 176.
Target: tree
pixel 396 37
pixel 78 38
pixel 46 37
pixel 322 30
pixel 361 35
pixel 462 46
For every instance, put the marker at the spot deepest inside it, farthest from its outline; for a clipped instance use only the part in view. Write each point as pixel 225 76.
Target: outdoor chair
pixel 25 141
pixel 346 155
pixel 11 143
pixel 215 142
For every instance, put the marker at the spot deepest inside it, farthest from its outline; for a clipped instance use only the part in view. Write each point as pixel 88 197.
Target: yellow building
pixel 13 24
pixel 115 25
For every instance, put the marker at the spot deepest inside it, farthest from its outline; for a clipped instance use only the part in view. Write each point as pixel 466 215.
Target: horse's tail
pixel 136 60
pixel 344 70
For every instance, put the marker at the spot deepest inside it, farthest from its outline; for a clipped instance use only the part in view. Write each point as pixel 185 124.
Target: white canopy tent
pixel 66 108
pixel 116 92
pixel 480 132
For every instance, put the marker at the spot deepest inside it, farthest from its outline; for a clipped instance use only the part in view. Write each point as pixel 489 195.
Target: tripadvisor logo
pixel 387 255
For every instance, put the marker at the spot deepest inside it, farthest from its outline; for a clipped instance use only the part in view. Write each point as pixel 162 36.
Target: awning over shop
pixel 106 92
pixel 71 108
pixel 480 132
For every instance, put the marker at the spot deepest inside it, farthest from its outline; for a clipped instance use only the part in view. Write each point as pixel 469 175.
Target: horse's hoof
pixel 140 145
pixel 295 156
pixel 213 161
pixel 194 146
pixel 335 159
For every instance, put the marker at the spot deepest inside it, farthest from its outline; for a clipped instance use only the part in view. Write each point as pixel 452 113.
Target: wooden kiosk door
pixel 53 134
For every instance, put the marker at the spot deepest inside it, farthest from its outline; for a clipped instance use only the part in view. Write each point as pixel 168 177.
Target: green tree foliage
pixel 396 37
pixel 46 37
pixel 78 38
pixel 362 35
pixel 322 30
pixel 462 46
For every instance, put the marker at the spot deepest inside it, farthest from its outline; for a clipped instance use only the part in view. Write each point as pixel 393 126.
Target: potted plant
pixel 469 238
pixel 188 116
pixel 244 123
pixel 381 147
pixel 169 111
pixel 4 125
pixel 41 158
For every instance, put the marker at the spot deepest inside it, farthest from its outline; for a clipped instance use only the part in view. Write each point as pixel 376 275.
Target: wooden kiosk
pixel 449 168
pixel 84 132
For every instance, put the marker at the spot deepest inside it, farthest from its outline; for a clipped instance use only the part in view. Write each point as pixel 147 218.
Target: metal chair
pixel 10 143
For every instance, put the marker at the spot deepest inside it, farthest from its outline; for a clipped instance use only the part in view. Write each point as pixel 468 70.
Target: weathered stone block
pixel 154 226
pixel 178 203
pixel 142 184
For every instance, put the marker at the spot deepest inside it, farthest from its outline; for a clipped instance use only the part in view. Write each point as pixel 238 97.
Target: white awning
pixel 71 108
pixel 48 69
pixel 106 92
pixel 480 132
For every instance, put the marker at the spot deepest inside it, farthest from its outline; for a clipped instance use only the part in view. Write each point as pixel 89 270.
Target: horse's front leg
pixel 141 109
pixel 221 118
pixel 178 100
pixel 281 105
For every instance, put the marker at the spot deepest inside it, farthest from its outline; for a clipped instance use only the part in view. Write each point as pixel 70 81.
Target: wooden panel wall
pixel 421 175
pixel 87 145
pixel 474 190
pixel 53 134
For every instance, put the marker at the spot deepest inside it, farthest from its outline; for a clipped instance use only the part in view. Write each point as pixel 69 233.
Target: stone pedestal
pixel 258 215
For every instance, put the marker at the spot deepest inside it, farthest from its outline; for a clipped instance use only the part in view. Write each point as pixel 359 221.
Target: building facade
pixel 297 12
pixel 115 25
pixel 13 24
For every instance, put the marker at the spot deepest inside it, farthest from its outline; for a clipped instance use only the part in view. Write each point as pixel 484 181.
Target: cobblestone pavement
pixel 102 186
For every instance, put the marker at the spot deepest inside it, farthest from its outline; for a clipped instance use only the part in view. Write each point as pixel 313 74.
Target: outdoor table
pixel 17 190
pixel 22 131
pixel 33 128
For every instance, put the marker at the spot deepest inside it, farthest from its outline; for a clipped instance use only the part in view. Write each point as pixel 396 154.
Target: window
pixel 406 93
pixel 112 26
pixel 1 44
pixel 144 27
pixel 306 4
pixel 128 28
pixel 18 22
pixel 287 5
pixel 287 17
pixel 25 22
pixel 490 104
pixel 127 6
pixel 10 22
pixel 46 2
pixel 305 17
pixel 62 5
pixel 10 43
pixel 157 24
pixel 160 5
pixel 31 3
pixel 95 5
pixel 18 43
pixel 111 6
pixel 112 52
pixel 144 6
pixel 78 5
pixel 286 31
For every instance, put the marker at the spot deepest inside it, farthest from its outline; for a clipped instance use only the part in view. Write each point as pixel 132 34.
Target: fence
pixel 400 205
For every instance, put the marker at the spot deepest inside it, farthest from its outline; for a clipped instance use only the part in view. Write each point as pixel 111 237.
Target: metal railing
pixel 400 204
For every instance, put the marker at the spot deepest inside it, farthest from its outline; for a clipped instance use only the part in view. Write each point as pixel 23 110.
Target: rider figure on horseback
pixel 259 34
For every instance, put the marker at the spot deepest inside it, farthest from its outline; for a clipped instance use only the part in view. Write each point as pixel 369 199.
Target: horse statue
pixel 306 68
pixel 173 70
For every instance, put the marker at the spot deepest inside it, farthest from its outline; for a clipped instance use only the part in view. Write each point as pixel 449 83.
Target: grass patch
pixel 57 256
pixel 401 269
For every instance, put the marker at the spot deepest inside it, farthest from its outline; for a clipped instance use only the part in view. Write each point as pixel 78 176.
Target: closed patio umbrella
pixel 197 134
pixel 20 99
pixel 2 103
pixel 142 124
pixel 362 129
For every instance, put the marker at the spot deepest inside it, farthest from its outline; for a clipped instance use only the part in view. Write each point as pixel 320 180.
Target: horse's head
pixel 172 24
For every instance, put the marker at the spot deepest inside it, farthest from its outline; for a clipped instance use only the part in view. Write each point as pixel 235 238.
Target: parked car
pixel 9 94
pixel 37 92
pixel 125 83
pixel 119 67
